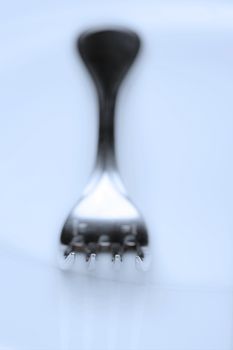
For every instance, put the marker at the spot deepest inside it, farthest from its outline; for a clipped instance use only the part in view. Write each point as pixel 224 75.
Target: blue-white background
pixel 174 144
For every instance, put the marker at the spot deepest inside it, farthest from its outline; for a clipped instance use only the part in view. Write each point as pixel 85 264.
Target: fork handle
pixel 108 54
pixel 106 142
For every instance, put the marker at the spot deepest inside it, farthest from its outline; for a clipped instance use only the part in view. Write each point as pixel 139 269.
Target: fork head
pixel 104 220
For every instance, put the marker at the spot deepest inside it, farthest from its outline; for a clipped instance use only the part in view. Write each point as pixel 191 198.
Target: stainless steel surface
pixel 105 218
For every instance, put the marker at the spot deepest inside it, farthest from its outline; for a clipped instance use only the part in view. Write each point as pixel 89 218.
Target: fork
pixel 105 219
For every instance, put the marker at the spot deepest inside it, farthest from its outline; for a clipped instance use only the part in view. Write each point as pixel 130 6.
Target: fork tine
pixel 117 262
pixel 142 259
pixel 67 260
pixel 139 263
pixel 92 262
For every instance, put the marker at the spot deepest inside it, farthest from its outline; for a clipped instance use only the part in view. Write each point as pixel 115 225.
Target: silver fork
pixel 105 219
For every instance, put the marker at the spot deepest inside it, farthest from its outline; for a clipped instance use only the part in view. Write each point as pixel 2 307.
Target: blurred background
pixel 174 147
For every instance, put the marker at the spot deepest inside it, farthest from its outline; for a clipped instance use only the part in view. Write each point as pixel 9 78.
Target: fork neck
pixel 106 158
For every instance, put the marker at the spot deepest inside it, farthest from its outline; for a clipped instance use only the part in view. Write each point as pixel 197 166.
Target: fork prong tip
pixel 92 262
pixel 67 261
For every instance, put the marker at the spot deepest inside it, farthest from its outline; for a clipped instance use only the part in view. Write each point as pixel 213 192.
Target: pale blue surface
pixel 179 98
